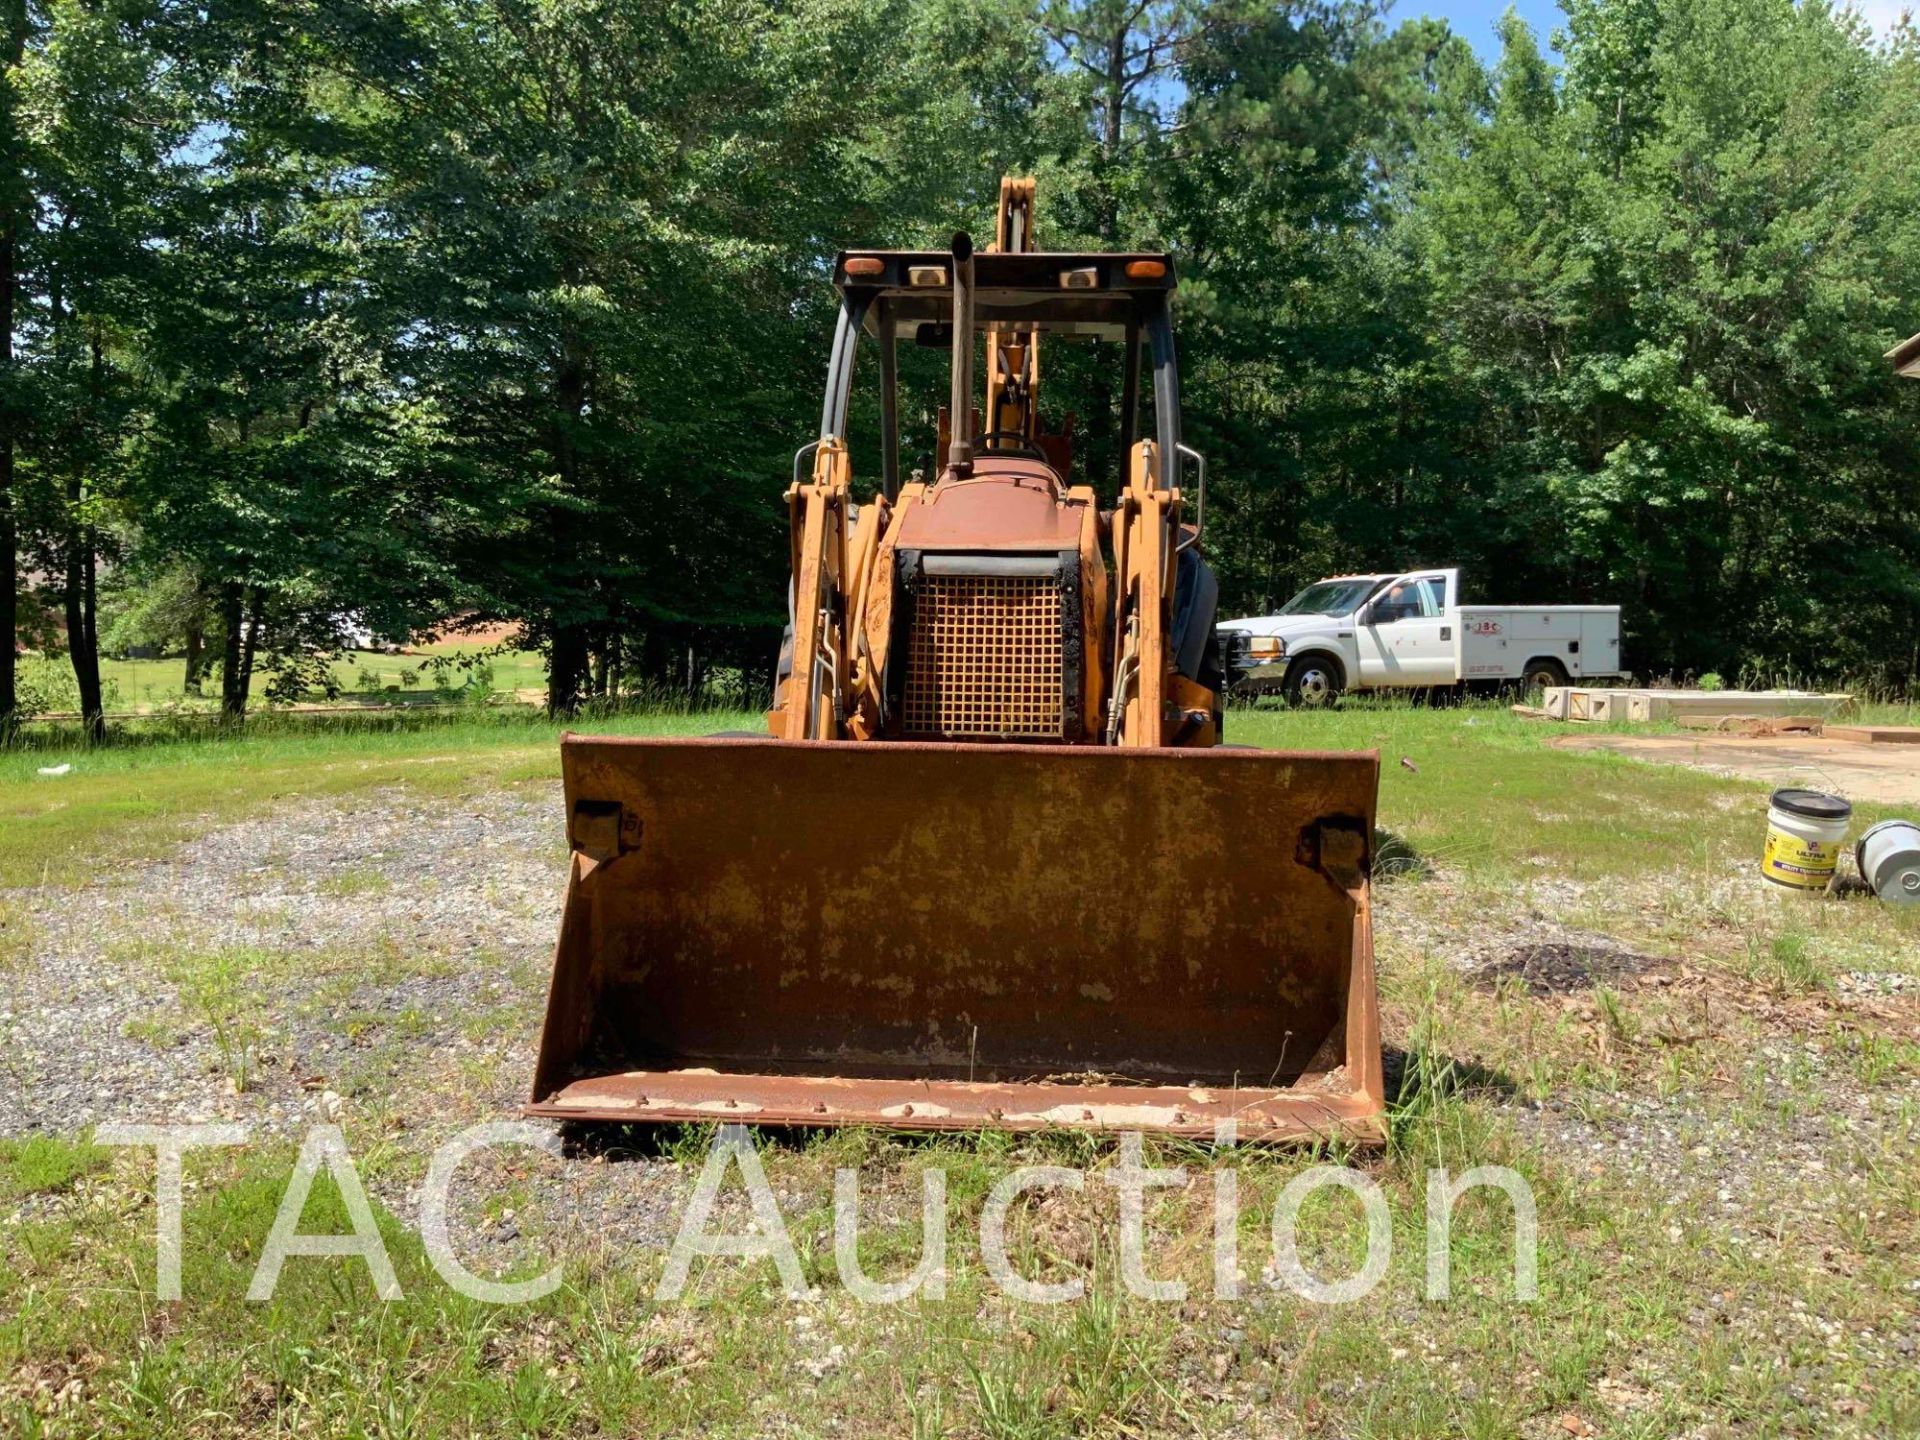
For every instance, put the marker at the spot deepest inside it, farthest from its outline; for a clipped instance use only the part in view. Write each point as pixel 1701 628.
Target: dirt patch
pixel 1883 774
pixel 1561 967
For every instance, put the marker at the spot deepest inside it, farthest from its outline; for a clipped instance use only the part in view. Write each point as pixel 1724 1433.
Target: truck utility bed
pixel 1493 642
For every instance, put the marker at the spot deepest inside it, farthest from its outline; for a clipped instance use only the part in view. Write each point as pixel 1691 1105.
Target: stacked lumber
pixel 1875 734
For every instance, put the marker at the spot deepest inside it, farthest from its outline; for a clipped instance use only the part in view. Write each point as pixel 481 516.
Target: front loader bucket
pixel 932 936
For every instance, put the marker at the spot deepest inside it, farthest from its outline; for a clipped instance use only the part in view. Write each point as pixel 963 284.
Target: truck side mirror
pixel 1365 615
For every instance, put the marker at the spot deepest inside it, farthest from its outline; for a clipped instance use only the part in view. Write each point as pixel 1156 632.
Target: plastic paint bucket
pixel 1805 832
pixel 1889 859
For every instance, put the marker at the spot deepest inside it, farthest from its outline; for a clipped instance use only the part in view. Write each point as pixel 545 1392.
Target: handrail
pixel 804 450
pixel 1200 499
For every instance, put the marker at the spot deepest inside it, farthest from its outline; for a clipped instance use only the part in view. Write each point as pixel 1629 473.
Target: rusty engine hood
pixel 1008 503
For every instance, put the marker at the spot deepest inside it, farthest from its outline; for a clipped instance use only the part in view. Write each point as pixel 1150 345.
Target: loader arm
pixel 817 510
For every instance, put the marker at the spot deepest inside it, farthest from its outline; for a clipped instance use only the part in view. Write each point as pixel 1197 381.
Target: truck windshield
pixel 1329 597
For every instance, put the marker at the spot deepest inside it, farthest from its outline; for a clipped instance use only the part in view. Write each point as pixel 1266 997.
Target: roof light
pixel 864 265
pixel 1085 278
pixel 1146 269
pixel 926 275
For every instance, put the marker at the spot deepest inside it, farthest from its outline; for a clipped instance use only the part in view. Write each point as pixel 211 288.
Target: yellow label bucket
pixel 1806 830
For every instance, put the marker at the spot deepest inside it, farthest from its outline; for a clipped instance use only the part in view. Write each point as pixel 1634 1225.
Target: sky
pixel 1475 19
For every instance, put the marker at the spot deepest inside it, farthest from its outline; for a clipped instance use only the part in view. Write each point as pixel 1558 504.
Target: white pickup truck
pixel 1410 631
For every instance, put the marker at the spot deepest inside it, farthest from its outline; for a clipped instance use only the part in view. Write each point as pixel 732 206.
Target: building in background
pixel 1906 357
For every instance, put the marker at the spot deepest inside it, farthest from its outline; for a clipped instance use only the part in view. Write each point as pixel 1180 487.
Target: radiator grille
pixel 986 658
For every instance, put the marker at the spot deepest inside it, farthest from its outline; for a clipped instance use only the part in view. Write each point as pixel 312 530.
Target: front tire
pixel 1314 682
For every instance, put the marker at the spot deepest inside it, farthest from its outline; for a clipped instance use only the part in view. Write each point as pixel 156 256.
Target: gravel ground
pixel 330 929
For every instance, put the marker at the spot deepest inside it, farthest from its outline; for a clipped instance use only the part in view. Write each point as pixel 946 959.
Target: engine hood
pixel 1288 626
pixel 1008 503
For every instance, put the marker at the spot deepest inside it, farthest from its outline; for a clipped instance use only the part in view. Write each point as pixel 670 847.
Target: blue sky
pixel 1475 19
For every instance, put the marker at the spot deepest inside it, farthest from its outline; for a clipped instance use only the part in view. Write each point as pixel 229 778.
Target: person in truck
pixel 1399 603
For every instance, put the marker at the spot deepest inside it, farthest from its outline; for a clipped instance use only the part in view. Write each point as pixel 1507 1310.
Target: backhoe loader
pixel 991 865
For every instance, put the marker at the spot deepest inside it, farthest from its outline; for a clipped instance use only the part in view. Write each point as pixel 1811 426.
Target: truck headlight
pixel 1267 647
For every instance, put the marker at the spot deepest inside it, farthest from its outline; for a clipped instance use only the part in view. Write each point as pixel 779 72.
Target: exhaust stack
pixel 960 404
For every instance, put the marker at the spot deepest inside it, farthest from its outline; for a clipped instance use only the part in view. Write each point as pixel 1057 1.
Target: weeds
pixel 219 989
pixel 926 1410
pixel 1620 1024
pixel 1786 964
pixel 1878 1057
pixel 1009 1403
pixel 1422 1116
pixel 356 880
pixel 158 1032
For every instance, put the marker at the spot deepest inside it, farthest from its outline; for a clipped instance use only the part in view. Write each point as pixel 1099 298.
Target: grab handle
pixel 1200 498
pixel 801 454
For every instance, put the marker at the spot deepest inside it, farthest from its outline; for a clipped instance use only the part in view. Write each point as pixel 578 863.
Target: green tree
pixel 102 120
pixel 1305 376
pixel 1665 284
pixel 611 220
pixel 282 462
pixel 15 216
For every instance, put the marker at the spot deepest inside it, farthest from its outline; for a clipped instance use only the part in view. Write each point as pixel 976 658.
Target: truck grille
pixel 986 660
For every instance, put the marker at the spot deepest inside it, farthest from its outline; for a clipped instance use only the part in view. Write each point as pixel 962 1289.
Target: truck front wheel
pixel 1314 681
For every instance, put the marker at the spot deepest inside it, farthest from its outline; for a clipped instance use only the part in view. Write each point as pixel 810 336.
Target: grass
pixel 223 990
pixel 1629 1105
pixel 1107 1365
pixel 134 800
pixel 1787 963
pixel 600 1356
pixel 362 675
pixel 1484 793
pixel 357 880
pixel 43 1164
pixel 1888 712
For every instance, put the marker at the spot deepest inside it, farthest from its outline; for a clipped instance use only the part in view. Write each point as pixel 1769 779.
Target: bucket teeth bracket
pixel 1336 846
pixel 602 830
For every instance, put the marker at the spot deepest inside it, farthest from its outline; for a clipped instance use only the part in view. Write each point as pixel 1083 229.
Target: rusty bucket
pixel 936 936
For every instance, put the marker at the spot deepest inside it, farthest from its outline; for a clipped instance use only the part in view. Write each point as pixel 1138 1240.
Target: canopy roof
pixel 1012 289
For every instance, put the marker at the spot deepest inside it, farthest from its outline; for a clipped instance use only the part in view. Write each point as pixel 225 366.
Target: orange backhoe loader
pixel 991 866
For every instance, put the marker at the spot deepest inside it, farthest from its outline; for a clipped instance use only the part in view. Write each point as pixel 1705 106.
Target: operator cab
pixel 1012 299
